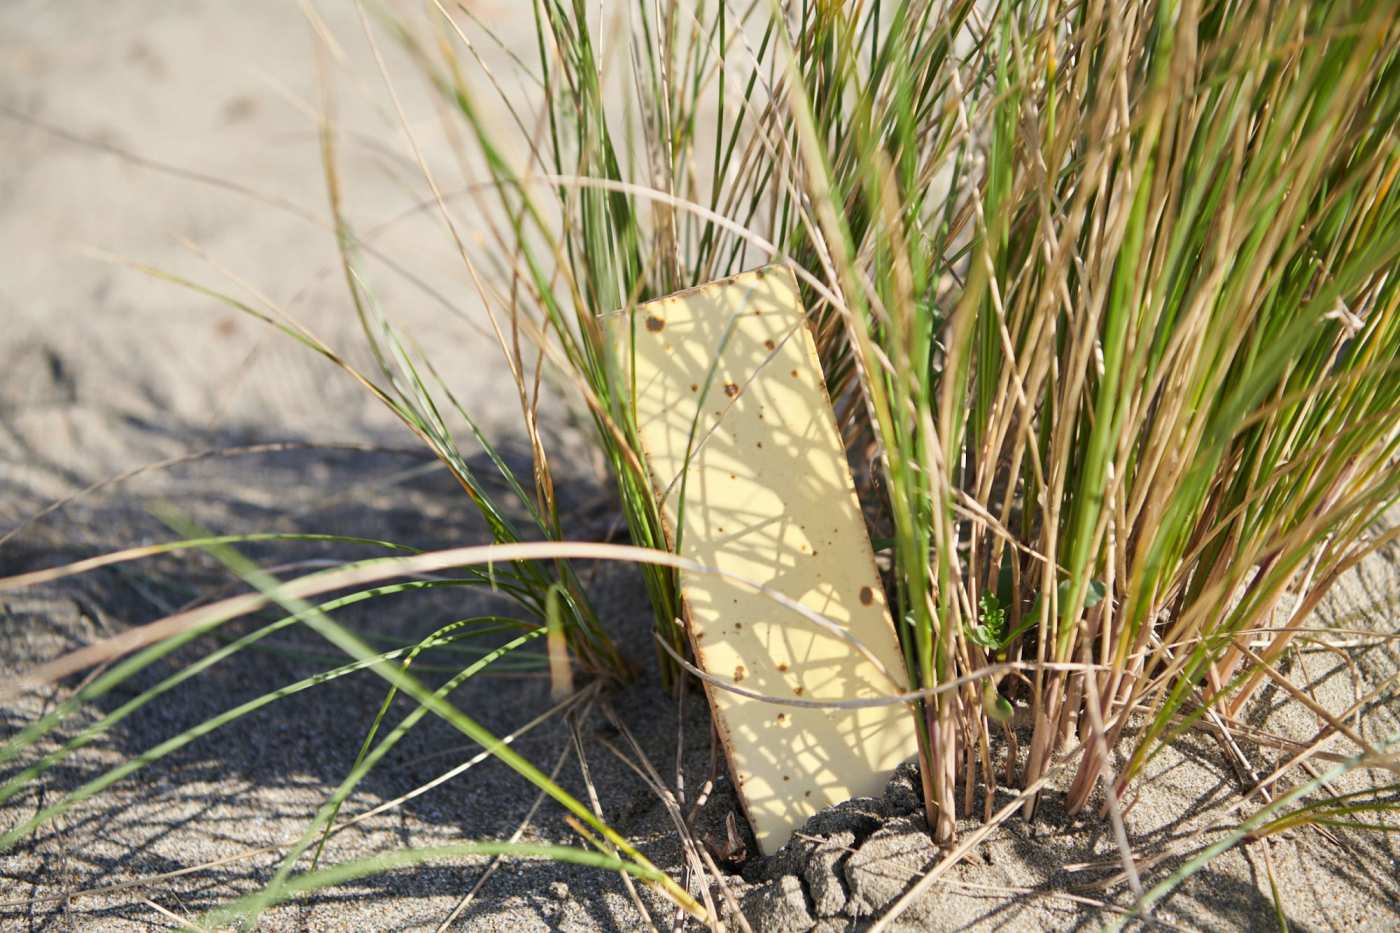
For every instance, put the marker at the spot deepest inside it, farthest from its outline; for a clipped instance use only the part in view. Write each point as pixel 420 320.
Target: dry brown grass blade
pixel 496 861
pixel 354 576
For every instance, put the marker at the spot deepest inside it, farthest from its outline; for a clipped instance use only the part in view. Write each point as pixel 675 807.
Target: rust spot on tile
pixel 694 387
pixel 867 596
pixel 730 389
pixel 797 690
pixel 739 673
pixel 770 345
pixel 238 109
pixel 655 324
pixel 782 666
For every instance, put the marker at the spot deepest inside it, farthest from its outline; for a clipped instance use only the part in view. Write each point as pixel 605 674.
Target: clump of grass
pixel 1109 293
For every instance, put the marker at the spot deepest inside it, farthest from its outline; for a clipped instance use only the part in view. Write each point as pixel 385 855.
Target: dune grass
pixel 1107 293
pixel 1104 296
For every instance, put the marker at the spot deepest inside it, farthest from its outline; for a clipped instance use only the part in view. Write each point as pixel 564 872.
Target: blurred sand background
pixel 123 129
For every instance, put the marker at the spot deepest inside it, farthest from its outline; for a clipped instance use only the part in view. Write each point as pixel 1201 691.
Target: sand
pixel 103 369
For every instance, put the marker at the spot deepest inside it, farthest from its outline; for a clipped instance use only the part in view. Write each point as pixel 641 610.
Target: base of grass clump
pixel 852 864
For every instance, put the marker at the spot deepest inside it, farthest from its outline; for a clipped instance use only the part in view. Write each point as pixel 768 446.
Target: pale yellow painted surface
pixel 769 498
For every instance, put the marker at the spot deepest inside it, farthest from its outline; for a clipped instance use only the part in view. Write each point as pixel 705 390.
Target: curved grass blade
pixel 366 758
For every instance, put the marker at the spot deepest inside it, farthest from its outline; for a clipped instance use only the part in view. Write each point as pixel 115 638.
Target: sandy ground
pixel 103 369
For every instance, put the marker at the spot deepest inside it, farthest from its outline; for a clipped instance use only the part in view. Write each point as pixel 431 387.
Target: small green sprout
pixel 990 631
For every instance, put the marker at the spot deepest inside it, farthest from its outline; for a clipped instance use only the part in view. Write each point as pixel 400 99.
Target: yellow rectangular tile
pixel 769 498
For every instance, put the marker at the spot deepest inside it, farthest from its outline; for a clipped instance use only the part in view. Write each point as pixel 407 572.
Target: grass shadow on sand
pixel 260 779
